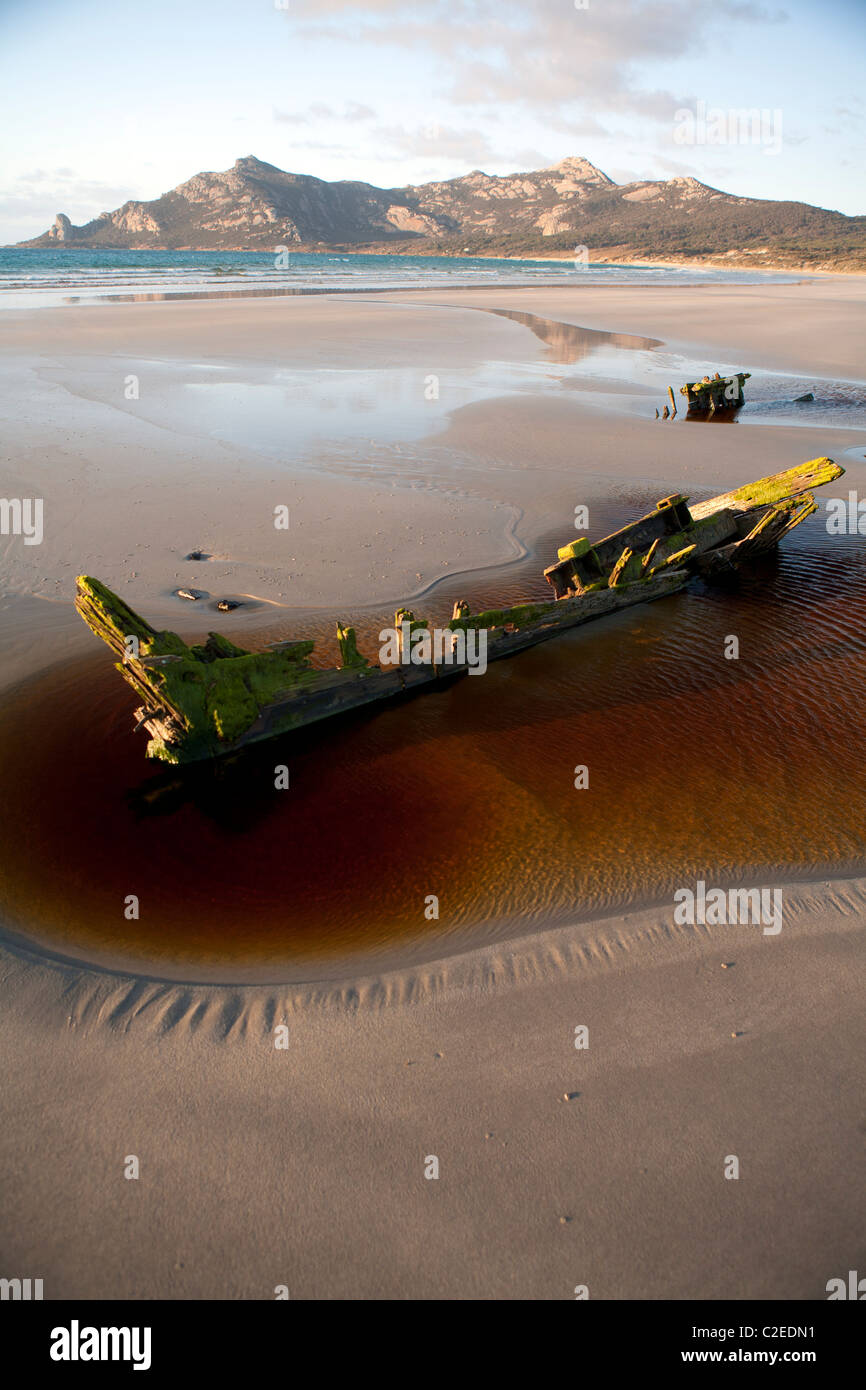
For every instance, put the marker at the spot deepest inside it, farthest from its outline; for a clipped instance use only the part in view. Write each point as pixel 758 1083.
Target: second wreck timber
pixel 714 394
pixel 726 524
pixel 206 700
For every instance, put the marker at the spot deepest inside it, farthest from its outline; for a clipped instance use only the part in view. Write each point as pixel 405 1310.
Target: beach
pixel 428 443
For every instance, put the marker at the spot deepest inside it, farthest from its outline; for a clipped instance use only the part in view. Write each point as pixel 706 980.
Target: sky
pixel 102 101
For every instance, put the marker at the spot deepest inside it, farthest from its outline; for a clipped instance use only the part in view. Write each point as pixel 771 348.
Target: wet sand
pixel 306 1167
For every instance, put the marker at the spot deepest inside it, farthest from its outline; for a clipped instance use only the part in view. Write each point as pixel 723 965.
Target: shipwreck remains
pixel 716 395
pixel 206 700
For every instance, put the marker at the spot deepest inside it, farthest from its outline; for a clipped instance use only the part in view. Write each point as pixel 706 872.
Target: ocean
pixel 52 277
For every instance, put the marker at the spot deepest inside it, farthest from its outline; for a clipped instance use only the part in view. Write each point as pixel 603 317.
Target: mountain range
pixel 256 207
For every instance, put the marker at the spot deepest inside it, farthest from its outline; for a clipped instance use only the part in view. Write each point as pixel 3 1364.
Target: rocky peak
pixel 62 229
pixel 253 205
pixel 250 165
pixel 576 167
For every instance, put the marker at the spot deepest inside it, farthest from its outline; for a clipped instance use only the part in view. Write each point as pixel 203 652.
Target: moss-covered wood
pixel 778 487
pixel 628 567
pixel 203 698
pixel 714 394
pixel 350 657
pixel 198 704
pixel 213 697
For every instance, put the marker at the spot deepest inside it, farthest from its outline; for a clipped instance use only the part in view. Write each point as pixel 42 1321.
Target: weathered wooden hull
pixel 208 700
pixel 337 692
pixel 716 395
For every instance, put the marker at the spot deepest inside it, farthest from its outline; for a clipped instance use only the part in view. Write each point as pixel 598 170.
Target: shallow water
pixel 327 414
pixel 735 771
pixel 39 277
pixel 296 412
pixel 636 381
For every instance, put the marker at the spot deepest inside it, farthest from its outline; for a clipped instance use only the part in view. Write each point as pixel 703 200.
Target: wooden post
pixel 350 657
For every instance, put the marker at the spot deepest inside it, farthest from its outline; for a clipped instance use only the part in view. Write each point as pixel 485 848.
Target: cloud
pixel 65 186
pixel 674 168
pixel 436 141
pixel 34 198
pixel 433 152
pixel 545 56
pixel 578 127
pixel 353 111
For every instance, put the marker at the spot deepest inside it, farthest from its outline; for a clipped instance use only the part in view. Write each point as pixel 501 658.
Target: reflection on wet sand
pixel 154 296
pixel 567 342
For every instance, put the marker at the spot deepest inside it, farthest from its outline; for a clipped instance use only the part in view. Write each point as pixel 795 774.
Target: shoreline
pixel 722 262
pixel 838 889
pixel 617 937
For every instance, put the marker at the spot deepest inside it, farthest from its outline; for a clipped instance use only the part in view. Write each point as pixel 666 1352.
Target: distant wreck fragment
pixel 206 700
pixel 714 395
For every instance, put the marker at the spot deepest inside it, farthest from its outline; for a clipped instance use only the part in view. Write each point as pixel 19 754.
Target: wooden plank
pixel 778 487
pixel 204 700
